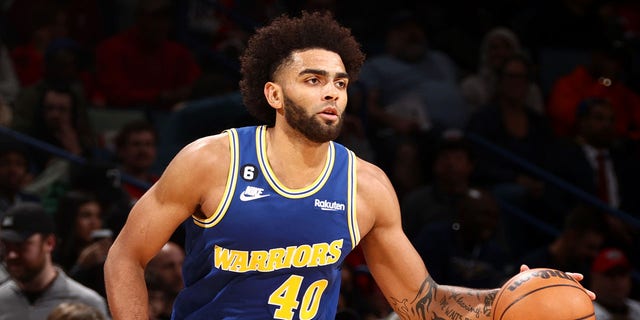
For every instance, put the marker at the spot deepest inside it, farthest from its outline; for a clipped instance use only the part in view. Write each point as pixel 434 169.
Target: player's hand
pixel 577 276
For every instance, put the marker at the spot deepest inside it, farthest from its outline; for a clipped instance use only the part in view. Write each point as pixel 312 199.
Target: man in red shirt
pixel 599 79
pixel 141 66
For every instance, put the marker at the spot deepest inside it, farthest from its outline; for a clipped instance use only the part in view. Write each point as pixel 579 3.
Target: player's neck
pixel 295 160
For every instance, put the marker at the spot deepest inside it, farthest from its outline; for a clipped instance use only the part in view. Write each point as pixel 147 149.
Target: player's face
pixel 314 94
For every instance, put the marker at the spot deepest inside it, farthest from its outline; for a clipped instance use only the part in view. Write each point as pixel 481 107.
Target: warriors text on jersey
pixel 270 252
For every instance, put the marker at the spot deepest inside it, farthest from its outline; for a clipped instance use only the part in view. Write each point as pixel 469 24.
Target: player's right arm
pixel 197 172
pixel 397 267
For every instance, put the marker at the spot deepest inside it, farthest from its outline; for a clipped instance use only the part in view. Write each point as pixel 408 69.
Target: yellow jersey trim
pixel 352 189
pixel 270 177
pixel 232 179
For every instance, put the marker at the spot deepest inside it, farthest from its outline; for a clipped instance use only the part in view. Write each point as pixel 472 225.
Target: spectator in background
pixel 58 121
pixel 37 286
pixel 136 150
pixel 62 70
pixel 14 175
pixel 452 166
pixel 510 124
pixel 595 163
pixel 82 248
pixel 36 26
pixel 165 271
pixel 601 78
pixel 4 275
pixel 612 283
pixel 6 114
pixel 479 88
pixel 79 213
pixel 159 300
pixel 582 236
pixel 141 66
pixel 75 311
pixel 467 250
pixel 9 84
pixel 410 88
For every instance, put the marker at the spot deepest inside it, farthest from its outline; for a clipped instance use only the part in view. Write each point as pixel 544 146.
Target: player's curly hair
pixel 272 45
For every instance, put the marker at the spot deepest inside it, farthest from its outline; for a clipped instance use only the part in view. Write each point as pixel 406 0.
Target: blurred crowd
pixel 510 131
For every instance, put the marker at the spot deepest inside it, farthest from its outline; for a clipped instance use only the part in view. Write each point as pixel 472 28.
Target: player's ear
pixel 273 93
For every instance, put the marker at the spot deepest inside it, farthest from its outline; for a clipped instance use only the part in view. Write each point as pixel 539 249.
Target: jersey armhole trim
pixel 232 179
pixel 352 184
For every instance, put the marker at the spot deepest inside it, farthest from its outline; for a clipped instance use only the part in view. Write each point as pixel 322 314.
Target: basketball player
pixel 272 211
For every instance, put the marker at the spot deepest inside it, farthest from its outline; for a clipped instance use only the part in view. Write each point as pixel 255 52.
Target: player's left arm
pixel 397 267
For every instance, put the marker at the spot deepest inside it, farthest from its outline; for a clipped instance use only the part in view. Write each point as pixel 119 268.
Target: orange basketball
pixel 542 294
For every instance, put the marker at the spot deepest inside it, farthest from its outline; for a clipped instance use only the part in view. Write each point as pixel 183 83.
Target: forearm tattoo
pixel 453 304
pixel 420 304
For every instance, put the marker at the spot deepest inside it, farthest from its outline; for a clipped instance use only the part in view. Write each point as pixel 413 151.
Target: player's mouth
pixel 329 113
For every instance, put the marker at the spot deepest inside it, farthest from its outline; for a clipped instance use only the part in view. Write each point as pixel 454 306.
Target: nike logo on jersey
pixel 252 193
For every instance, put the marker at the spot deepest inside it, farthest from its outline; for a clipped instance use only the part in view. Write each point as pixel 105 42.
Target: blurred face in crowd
pixel 13 172
pixel 498 49
pixel 605 66
pixel 452 168
pixel 407 41
pixel 159 303
pixel 154 26
pixel 478 215
pixel 611 287
pixel 167 267
pixel 63 66
pixel 88 219
pixel 26 260
pixel 597 127
pixel 58 109
pixel 585 245
pixel 139 152
pixel 514 81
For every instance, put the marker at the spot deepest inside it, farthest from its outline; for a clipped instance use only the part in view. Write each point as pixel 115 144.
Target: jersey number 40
pixel 285 298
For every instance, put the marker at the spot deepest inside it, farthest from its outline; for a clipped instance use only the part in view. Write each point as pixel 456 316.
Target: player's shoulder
pixel 204 152
pixel 208 145
pixel 371 178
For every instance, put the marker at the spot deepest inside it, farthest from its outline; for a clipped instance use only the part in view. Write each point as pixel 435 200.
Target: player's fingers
pixel 524 268
pixel 575 275
pixel 579 277
pixel 591 294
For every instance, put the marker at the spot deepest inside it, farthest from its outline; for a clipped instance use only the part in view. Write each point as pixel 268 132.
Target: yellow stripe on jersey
pixel 232 179
pixel 354 231
pixel 273 181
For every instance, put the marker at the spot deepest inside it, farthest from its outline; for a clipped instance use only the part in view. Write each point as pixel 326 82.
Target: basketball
pixel 542 294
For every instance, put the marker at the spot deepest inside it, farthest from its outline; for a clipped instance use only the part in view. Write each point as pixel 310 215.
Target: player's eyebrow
pixel 339 75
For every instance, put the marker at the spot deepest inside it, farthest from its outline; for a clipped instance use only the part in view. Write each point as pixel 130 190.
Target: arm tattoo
pixel 420 303
pixel 453 304
pixel 488 302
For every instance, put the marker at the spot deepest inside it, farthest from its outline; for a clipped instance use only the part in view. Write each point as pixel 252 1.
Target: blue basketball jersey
pixel 270 252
